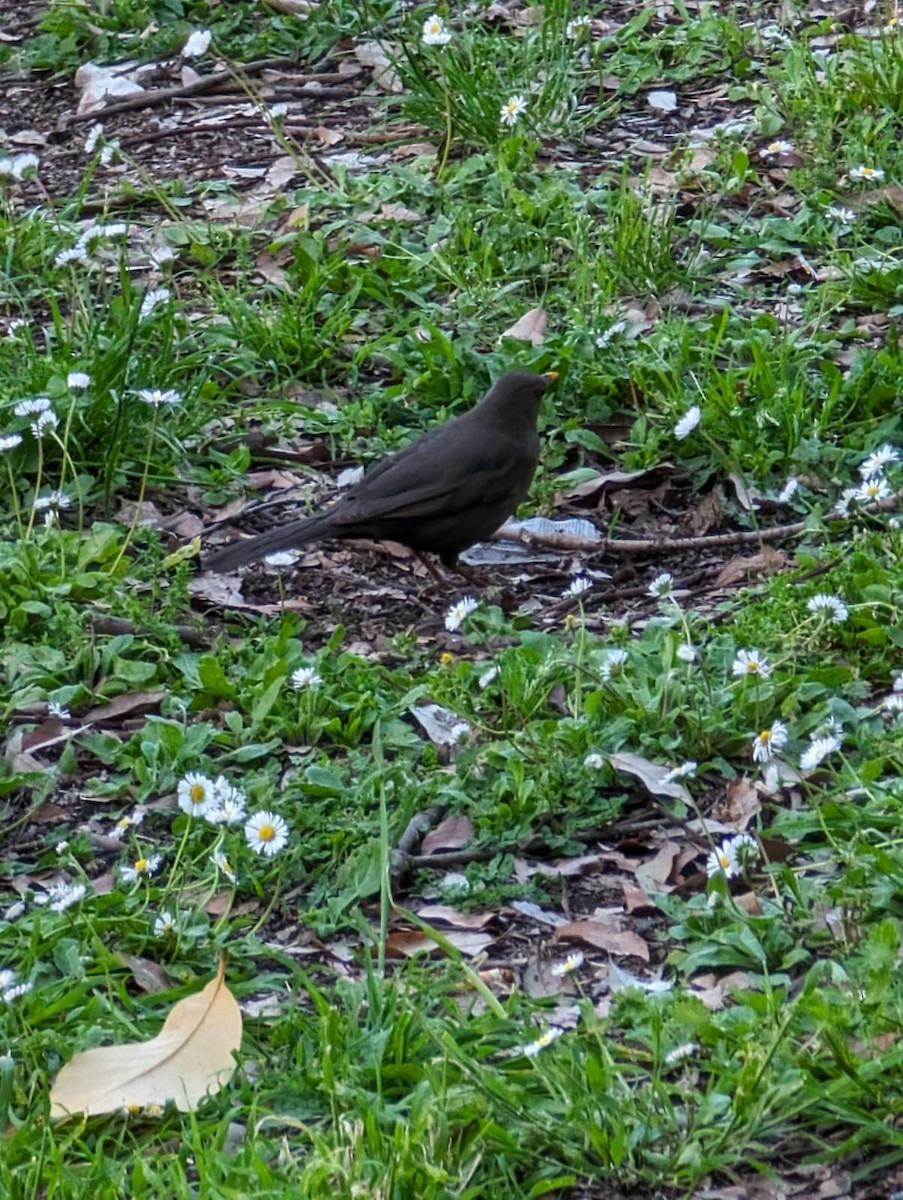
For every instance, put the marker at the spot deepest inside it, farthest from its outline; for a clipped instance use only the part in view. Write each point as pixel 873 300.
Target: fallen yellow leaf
pixel 190 1058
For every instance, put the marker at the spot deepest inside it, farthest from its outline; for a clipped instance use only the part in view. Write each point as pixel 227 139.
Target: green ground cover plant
pixel 654 948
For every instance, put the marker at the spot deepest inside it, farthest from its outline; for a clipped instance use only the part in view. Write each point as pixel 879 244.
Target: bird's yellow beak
pixel 551 375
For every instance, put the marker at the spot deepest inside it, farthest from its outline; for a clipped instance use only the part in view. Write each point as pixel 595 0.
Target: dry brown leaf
pixel 410 942
pixel 443 914
pixel 562 868
pixel 751 566
pixel 294 8
pixel 149 976
pixel 658 870
pixel 414 150
pixel 372 54
pixel 652 775
pixel 635 898
pixel 128 702
pixel 328 137
pixel 705 514
pixel 531 327
pixel 605 936
pixel 398 212
pixel 451 834
pixel 191 1057
pixel 742 801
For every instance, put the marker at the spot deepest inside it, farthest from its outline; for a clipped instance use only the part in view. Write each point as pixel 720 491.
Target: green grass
pixel 711 273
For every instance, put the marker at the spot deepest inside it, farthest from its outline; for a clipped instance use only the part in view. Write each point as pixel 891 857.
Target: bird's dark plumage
pixel 452 486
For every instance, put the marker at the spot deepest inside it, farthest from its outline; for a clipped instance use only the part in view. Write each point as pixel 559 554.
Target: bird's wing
pixel 404 486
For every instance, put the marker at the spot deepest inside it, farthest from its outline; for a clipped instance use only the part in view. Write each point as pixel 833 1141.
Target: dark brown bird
pixel 452 486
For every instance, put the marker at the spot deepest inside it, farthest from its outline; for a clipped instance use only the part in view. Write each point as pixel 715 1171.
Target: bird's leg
pixel 440 579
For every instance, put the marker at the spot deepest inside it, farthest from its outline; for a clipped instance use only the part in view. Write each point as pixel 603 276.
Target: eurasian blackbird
pixel 452 486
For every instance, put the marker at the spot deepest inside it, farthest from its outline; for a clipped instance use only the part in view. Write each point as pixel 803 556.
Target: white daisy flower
pixel 9 441
pixel 95 133
pixel 613 662
pixel 221 862
pixel 594 762
pixel 110 153
pixel 832 605
pixel 282 558
pixel 848 502
pixel 789 490
pixel 152 300
pixel 679 1053
pixel 305 677
pixel 230 806
pixel 685 769
pixel 32 406
pixel 165 925
pixel 778 147
pixel 817 750
pixel 873 489
pixel 46 420
pixel 54 709
pixel 864 172
pixel 161 255
pixel 578 585
pixel 129 821
pixel 73 254
pixel 878 460
pixel 157 399
pixel 612 331
pixel 54 500
pixel 751 662
pixel 544 1040
pixel 141 868
pixel 688 422
pixel 266 833
pixel 10 989
pixel 576 28
pixel 661 586
pixel 26 163
pixel 686 653
pixel 572 963
pixel 512 110
pixel 95 234
pixel 842 216
pixel 487 677
pixel 77 380
pixel 459 612
pixel 767 743
pixel 197 794
pixel 434 32
pixel 61 896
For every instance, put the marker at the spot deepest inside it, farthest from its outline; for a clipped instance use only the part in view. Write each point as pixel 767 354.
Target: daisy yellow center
pixel 435 26
pixel 723 859
pixel 197 793
pixel 765 736
pixel 141 865
pixel 511 106
pixel 752 667
pixel 446 658
pixel 266 833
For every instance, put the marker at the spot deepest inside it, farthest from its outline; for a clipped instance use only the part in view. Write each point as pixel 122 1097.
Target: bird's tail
pixel 246 550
